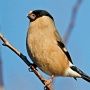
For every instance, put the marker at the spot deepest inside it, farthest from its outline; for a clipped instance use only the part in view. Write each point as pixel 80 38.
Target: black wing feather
pixel 62 46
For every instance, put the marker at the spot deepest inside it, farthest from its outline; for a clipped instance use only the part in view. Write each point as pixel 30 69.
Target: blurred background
pixel 14 73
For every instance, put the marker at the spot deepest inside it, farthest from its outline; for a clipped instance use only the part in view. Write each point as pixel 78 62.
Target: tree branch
pixel 72 22
pixel 30 65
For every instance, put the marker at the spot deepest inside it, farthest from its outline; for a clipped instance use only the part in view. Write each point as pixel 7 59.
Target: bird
pixel 46 48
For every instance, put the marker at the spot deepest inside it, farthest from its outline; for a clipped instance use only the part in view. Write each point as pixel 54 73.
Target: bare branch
pixel 72 22
pixel 31 66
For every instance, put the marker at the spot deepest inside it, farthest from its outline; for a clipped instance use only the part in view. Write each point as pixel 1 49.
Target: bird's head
pixel 33 15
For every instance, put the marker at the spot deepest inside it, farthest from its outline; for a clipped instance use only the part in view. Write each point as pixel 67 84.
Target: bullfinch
pixel 46 47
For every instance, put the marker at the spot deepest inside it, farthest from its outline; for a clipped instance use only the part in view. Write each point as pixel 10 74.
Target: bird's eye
pixel 32 16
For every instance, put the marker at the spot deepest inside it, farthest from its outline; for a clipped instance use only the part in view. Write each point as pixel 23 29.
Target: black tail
pixel 83 75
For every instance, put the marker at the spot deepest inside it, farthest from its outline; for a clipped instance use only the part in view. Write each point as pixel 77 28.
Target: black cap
pixel 40 13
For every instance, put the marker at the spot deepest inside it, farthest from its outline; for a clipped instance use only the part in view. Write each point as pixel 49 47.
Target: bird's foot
pixel 48 82
pixel 29 68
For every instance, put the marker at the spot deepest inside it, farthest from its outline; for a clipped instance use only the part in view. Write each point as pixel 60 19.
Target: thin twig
pixel 31 66
pixel 72 22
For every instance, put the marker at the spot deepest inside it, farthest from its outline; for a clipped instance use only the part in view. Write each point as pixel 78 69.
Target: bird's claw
pixel 48 82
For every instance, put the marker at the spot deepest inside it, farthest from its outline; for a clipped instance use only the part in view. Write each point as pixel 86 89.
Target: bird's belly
pixel 47 56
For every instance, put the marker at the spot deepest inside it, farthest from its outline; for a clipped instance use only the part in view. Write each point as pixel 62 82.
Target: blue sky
pixel 14 25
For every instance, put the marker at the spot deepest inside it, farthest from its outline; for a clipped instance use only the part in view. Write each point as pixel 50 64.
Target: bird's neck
pixel 42 23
